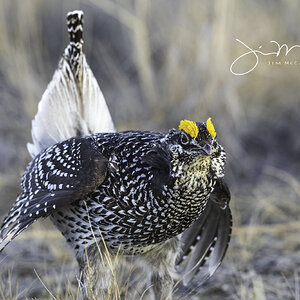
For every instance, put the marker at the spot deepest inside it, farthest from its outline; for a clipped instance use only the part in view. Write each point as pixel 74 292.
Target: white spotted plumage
pixel 89 183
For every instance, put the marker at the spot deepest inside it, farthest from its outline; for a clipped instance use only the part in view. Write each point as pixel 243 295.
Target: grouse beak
pixel 206 149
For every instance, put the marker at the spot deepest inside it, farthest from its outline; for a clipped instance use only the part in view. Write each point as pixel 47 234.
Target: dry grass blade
pixel 45 286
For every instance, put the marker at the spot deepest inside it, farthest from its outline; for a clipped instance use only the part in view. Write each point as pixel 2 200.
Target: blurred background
pixel 158 62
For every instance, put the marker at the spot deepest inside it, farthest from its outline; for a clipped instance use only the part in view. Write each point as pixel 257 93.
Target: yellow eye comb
pixel 189 127
pixel 210 127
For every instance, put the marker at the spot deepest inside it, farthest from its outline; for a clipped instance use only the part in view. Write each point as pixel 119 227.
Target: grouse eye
pixel 201 143
pixel 184 139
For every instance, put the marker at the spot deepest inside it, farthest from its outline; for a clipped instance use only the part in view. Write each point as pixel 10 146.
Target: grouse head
pixel 194 145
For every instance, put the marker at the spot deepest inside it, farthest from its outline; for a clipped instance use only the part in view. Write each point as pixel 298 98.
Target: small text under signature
pixel 256 52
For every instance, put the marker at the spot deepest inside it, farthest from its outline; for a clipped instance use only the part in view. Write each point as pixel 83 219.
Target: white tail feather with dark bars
pixel 73 104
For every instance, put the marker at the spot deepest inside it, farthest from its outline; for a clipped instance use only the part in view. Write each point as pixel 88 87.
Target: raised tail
pixel 73 104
